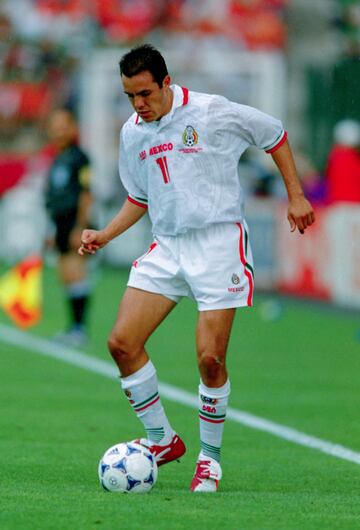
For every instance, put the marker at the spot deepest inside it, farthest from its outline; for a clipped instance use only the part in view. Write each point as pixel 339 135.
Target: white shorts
pixel 212 265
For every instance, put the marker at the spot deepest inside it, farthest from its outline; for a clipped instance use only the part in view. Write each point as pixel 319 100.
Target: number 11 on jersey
pixel 162 163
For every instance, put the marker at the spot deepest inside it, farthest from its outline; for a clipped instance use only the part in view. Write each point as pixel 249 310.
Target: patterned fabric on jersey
pixel 186 165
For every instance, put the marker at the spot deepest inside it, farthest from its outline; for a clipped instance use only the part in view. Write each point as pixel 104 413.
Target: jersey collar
pixel 181 98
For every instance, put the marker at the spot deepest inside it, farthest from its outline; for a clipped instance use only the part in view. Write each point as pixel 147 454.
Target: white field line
pixel 14 337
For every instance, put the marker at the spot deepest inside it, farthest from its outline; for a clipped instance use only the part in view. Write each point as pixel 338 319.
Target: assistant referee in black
pixel 68 200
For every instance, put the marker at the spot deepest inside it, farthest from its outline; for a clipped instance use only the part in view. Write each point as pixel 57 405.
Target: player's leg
pixel 140 313
pixel 218 265
pixel 212 337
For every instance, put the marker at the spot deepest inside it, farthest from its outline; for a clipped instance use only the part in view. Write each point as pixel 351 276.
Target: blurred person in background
pixel 68 200
pixel 343 165
pixel 179 155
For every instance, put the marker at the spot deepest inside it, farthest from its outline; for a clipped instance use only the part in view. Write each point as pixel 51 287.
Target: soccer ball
pixel 128 467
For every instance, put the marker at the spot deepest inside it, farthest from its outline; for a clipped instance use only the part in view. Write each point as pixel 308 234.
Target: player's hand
pixel 91 241
pixel 300 214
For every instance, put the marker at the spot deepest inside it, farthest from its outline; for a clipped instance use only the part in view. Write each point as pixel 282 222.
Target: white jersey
pixel 185 167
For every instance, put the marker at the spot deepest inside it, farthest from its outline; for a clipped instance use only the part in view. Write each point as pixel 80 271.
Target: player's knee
pixel 122 348
pixel 211 364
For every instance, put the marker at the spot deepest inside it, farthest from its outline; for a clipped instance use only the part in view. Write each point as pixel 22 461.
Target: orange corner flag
pixel 21 293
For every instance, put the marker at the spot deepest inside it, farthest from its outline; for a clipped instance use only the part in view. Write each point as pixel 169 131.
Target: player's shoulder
pixel 203 99
pixel 214 104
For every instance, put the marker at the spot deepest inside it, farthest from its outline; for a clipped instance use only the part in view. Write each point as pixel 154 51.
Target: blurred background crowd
pixel 302 57
pixel 44 45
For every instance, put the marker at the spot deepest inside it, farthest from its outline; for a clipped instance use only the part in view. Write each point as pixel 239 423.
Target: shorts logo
pixel 206 399
pixel 190 137
pixel 128 393
pixel 235 279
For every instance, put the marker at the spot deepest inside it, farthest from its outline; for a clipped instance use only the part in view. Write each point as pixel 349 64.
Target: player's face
pixel 149 100
pixel 62 129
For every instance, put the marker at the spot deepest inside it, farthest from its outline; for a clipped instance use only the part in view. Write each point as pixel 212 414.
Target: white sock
pixel 141 390
pixel 212 411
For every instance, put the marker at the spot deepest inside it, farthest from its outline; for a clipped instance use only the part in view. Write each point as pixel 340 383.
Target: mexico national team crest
pixel 235 279
pixel 190 136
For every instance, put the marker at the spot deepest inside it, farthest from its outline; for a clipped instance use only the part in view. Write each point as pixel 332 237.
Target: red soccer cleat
pixel 207 476
pixel 165 453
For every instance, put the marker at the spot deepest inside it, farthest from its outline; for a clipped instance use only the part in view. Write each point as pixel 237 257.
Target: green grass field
pixel 300 370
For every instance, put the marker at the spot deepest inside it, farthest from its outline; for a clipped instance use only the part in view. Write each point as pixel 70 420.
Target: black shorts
pixel 64 224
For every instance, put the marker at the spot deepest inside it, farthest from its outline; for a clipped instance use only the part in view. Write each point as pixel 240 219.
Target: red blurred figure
pixel 258 23
pixel 75 9
pixel 127 19
pixel 343 167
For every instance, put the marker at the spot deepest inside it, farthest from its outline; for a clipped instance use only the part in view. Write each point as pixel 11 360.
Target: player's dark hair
pixel 144 58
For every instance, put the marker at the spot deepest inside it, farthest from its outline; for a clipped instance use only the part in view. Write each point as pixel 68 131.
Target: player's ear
pixel 167 81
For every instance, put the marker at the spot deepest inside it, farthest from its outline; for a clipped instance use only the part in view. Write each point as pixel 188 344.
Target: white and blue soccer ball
pixel 128 467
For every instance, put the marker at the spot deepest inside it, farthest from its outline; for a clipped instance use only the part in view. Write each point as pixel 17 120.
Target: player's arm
pixel 93 240
pixel 260 129
pixel 300 211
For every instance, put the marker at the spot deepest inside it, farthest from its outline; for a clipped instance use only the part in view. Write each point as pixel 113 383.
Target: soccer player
pixel 68 200
pixel 179 160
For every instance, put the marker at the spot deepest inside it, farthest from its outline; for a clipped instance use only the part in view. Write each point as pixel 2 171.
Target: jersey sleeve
pixel 136 194
pixel 251 125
